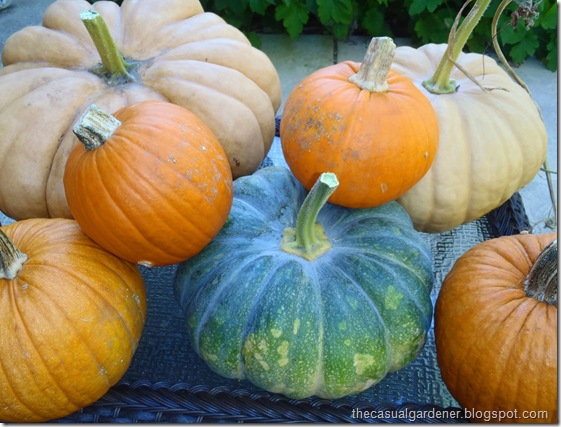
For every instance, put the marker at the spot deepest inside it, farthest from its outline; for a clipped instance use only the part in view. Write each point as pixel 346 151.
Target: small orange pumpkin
pixel 150 184
pixel 496 329
pixel 72 315
pixel 367 124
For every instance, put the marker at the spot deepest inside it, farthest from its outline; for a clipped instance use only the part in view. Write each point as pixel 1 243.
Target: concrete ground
pixel 295 59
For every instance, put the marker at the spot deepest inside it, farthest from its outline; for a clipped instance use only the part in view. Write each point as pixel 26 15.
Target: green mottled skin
pixel 328 327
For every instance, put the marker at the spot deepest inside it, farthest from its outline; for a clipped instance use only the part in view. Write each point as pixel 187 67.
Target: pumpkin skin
pixel 491 143
pixel 179 53
pixel 157 191
pixel 497 346
pixel 379 144
pixel 71 321
pixel 328 327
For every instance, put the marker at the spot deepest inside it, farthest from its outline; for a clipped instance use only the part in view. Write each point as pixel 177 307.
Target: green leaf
pixel 293 16
pixel 260 6
pixel 548 19
pixel 550 61
pixel 433 27
pixel 526 47
pixel 340 31
pixel 419 6
pixel 340 11
pixel 374 22
pixel 220 5
pixel 254 39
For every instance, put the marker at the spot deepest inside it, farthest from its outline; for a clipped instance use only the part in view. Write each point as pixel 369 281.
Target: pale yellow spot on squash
pixel 264 365
pixel 296 326
pixel 343 326
pixel 393 298
pixel 212 357
pixel 276 332
pixel 362 362
pixel 282 350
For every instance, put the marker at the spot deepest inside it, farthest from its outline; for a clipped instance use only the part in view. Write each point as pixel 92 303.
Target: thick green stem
pixel 308 239
pixel 541 282
pixel 95 127
pixel 373 72
pixel 440 82
pixel 11 258
pixel 113 64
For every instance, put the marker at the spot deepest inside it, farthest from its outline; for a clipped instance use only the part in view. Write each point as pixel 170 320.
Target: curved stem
pixel 11 258
pixel 95 127
pixel 541 282
pixel 497 47
pixel 307 239
pixel 113 63
pixel 440 82
pixel 375 67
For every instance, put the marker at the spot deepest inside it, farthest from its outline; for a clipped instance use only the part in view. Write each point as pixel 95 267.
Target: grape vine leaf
pixel 293 16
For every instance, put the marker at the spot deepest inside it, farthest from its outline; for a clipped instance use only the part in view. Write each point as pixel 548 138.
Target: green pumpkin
pixel 327 308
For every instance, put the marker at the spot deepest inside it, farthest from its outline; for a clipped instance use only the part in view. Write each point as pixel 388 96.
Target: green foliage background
pixel 422 21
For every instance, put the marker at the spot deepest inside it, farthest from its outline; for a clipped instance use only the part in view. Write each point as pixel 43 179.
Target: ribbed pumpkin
pixel 151 184
pixel 367 124
pixel 72 315
pixel 172 51
pixel 496 329
pixel 493 140
pixel 305 308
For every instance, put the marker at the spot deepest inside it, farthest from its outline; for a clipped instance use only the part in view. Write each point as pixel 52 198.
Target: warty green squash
pixel 305 303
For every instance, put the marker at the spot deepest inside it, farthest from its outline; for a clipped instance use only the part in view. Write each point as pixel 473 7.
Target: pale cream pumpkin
pixel 172 51
pixel 493 140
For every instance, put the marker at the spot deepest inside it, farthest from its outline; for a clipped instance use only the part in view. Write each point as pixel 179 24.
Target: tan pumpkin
pixel 172 51
pixel 72 315
pixel 493 140
pixel 496 329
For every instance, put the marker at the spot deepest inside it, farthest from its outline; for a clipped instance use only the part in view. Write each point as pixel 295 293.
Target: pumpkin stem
pixel 95 127
pixel 541 282
pixel 375 67
pixel 441 83
pixel 114 66
pixel 11 258
pixel 308 239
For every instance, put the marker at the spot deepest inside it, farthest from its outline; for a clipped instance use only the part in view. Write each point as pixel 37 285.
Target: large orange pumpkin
pixel 144 50
pixel 71 317
pixel 151 184
pixel 367 124
pixel 496 329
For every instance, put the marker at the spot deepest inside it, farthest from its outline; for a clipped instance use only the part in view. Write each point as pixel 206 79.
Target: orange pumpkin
pixel 72 315
pixel 496 329
pixel 367 124
pixel 150 184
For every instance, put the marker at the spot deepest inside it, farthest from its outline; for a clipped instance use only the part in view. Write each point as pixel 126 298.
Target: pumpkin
pixel 144 50
pixel 72 315
pixel 496 329
pixel 302 303
pixel 367 124
pixel 151 184
pixel 493 140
